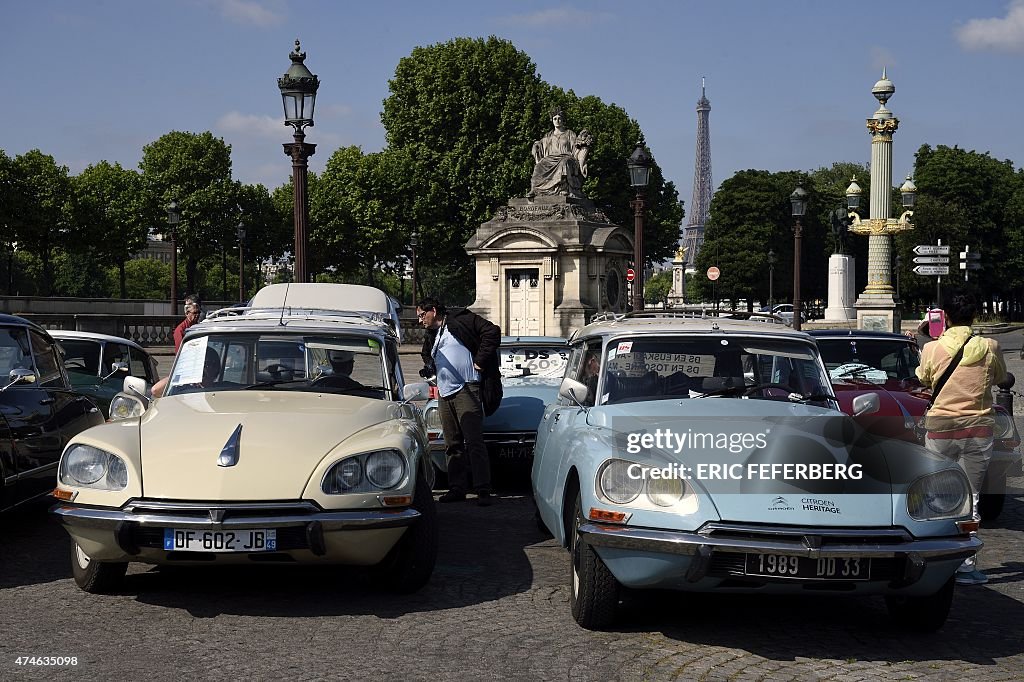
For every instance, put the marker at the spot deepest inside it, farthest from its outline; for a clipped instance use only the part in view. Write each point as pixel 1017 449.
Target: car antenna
pixel 284 302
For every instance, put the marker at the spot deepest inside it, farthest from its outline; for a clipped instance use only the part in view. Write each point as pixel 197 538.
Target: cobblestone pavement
pixel 496 608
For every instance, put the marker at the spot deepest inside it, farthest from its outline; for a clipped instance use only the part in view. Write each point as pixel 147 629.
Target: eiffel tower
pixel 700 204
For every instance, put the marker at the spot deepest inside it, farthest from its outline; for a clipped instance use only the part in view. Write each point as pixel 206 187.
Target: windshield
pixel 533 361
pixel 655 368
pixel 349 365
pixel 874 360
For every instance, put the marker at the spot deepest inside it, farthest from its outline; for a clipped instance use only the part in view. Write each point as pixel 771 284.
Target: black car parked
pixel 39 412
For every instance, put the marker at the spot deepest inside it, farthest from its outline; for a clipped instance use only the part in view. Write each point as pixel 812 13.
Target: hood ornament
pixel 229 454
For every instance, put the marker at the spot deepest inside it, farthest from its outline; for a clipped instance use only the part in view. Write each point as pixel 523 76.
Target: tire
pixel 922 614
pixel 594 591
pixel 990 505
pixel 96 577
pixel 410 563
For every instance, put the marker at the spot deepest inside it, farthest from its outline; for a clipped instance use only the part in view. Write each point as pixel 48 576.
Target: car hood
pixel 522 404
pixel 745 438
pixel 897 408
pixel 283 437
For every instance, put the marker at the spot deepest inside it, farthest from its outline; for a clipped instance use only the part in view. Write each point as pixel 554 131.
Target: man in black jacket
pixel 460 348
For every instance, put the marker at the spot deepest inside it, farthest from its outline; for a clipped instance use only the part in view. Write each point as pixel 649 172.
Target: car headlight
pixel 125 407
pixel 368 472
pixel 1005 429
pixel 945 494
pixel 615 482
pixel 385 468
pixel 432 418
pixel 665 492
pixel 87 467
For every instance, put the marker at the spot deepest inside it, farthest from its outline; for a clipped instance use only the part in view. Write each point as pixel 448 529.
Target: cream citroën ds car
pixel 285 434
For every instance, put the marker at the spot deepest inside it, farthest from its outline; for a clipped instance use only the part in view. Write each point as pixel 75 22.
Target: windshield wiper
pixel 855 371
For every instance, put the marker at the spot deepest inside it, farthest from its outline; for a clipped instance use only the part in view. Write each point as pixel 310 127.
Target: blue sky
pixel 789 80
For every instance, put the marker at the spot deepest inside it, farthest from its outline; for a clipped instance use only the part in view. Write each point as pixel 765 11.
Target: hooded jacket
pixel 966 398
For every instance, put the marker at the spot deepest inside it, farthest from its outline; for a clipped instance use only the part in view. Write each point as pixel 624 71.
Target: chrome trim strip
pixel 360 519
pixel 797 531
pixel 686 543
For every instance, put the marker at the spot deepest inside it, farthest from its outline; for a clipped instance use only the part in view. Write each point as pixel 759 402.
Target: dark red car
pixel 860 362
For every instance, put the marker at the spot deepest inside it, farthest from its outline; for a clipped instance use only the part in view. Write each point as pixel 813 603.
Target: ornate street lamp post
pixel 639 174
pixel 173 218
pixel 241 262
pixel 799 201
pixel 771 279
pixel 298 92
pixel 876 307
pixel 414 241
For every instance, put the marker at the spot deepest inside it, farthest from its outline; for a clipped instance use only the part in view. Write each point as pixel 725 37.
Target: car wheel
pixel 595 591
pixel 95 577
pixel 922 614
pixel 409 564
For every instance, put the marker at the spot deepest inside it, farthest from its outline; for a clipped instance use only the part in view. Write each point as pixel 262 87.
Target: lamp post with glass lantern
pixel 639 174
pixel 876 305
pixel 771 279
pixel 798 199
pixel 298 93
pixel 241 262
pixel 173 218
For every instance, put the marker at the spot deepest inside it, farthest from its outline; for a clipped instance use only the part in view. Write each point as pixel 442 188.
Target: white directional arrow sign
pixel 931 250
pixel 970 266
pixel 940 260
pixel 932 270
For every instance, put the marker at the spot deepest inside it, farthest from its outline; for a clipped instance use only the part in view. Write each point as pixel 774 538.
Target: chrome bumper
pixel 313 521
pixel 813 543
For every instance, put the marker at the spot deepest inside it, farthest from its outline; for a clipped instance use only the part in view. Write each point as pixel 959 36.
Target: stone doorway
pixel 523 310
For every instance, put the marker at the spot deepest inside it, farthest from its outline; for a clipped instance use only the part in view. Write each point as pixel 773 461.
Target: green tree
pixel 45 208
pixel 147 278
pixel 195 169
pixel 465 114
pixel 977 191
pixel 658 287
pixel 750 215
pixel 112 214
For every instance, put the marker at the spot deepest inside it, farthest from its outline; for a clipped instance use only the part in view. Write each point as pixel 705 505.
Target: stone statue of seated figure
pixel 561 158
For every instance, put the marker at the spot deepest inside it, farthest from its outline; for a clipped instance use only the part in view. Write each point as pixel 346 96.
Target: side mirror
pixel 573 390
pixel 136 386
pixel 417 391
pixel 19 375
pixel 867 403
pixel 116 367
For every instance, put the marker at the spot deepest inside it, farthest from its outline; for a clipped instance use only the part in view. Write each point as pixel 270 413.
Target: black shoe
pixel 452 496
pixel 485 499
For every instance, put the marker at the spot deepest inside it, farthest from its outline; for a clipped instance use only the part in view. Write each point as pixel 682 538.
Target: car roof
pixel 323 296
pixel 858 333
pixel 660 323
pixel 539 340
pixel 22 322
pixel 93 336
pixel 309 306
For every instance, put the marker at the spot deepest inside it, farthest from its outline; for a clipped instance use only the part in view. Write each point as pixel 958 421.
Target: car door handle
pixel 47 401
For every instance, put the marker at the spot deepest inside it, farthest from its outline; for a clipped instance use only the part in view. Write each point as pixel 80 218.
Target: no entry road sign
pixel 714 273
